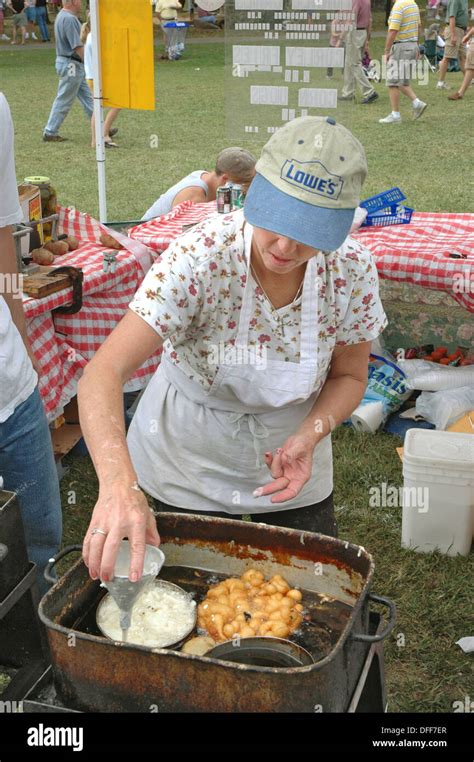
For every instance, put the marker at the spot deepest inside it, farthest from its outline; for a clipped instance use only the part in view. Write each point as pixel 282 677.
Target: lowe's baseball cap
pixel 308 183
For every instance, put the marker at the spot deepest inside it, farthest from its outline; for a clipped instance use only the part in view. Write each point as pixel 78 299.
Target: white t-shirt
pixel 88 63
pixel 17 376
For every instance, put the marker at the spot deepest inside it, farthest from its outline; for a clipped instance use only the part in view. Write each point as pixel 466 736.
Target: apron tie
pixel 257 429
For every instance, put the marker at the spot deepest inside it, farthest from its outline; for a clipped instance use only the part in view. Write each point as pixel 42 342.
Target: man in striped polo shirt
pixel 402 52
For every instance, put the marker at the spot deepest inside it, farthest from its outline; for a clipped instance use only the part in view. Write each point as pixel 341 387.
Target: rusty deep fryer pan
pixel 105 676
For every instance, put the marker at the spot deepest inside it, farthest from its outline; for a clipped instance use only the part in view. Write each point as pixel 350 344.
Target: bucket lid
pixel 439 448
pixel 37 180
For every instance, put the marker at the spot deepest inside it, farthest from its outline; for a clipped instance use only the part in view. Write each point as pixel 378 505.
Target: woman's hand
pixel 291 468
pixel 121 511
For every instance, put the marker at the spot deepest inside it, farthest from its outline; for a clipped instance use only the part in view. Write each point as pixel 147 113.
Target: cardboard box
pixel 30 202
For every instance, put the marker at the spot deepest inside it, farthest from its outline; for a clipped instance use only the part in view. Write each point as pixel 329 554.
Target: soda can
pixel 237 197
pixel 224 199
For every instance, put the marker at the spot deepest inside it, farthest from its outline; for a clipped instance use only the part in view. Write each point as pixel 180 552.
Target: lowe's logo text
pixel 313 177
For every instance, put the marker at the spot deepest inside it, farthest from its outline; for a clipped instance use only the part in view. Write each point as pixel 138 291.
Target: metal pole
pixel 98 110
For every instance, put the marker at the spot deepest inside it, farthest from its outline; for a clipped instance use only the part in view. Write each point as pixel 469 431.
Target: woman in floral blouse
pixel 265 317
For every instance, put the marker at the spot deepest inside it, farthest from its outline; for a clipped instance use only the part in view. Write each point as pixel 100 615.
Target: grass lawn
pixel 429 159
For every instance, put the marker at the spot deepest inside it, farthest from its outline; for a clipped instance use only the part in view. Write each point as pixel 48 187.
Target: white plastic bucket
pixel 438 494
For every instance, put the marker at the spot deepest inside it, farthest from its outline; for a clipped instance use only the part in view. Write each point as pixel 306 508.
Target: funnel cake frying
pixel 250 606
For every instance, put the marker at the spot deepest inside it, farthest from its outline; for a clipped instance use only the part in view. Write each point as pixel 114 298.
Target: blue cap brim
pixel 269 208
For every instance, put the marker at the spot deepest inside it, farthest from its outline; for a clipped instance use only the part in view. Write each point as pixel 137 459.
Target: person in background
pixel 457 20
pixel 204 17
pixel 30 13
pixel 469 67
pixel 86 39
pixel 336 40
pixel 3 36
pixel 19 19
pixel 167 11
pixel 401 53
pixel 357 39
pixel 70 68
pixel 41 17
pixel 27 464
pixel 234 165
pixel 441 9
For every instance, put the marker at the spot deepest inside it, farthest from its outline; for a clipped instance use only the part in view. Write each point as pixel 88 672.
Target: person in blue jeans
pixel 27 464
pixel 41 16
pixel 70 68
pixel 30 13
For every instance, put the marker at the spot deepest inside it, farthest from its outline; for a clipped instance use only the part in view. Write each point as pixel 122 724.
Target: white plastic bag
pixel 445 407
pixel 431 377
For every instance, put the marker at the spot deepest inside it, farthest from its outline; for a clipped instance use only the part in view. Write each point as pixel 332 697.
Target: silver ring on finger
pixel 96 530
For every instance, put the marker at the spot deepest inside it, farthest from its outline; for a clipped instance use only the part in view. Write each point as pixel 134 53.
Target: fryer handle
pixel 52 561
pixel 392 618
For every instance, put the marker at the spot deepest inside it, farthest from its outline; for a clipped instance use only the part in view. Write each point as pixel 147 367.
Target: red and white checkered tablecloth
pixel 417 253
pixel 63 344
pixel 158 233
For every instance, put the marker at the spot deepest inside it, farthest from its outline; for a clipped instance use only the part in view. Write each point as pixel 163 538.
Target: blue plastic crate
pixel 397 215
pixel 383 200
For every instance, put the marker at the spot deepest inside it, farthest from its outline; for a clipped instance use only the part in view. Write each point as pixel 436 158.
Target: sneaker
pixel 33 36
pixel 390 119
pixel 54 139
pixel 4 37
pixel 27 35
pixel 442 86
pixel 370 98
pixel 455 97
pixel 418 110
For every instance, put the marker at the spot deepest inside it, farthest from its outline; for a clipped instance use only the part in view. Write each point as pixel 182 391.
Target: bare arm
pixel 452 29
pixel 391 34
pixel 121 510
pixel 342 392
pixel 468 36
pixel 80 52
pixel 194 193
pixel 12 292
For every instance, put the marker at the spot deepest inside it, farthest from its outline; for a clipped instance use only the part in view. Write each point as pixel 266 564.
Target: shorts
pixel 30 14
pixel 19 19
pixel 454 51
pixel 401 64
pixel 470 55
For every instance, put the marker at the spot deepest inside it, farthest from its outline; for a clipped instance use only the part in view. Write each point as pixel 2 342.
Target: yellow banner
pixel 127 47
